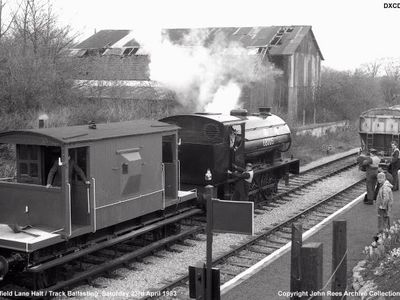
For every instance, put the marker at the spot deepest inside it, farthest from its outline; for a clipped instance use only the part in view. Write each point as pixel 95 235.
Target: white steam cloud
pixel 205 78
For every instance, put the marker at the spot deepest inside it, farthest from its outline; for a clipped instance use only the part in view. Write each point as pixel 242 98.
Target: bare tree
pixel 392 68
pixel 36 26
pixel 372 68
pixel 390 81
pixel 33 73
pixel 5 25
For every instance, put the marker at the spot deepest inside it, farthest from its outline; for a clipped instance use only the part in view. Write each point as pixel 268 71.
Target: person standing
pixel 384 201
pixel 242 186
pixel 371 164
pixel 55 172
pixel 394 165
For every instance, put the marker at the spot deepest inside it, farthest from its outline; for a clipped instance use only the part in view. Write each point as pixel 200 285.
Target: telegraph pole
pixel 208 194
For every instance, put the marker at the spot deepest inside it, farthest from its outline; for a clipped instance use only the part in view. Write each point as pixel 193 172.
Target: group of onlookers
pixel 381 183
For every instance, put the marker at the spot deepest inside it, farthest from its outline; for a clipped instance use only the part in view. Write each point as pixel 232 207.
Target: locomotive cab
pixel 208 141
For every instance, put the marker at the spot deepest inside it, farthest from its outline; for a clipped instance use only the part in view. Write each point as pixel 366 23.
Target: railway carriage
pixel 133 172
pixel 378 127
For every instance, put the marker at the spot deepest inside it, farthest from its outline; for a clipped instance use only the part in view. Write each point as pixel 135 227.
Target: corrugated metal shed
pixel 76 134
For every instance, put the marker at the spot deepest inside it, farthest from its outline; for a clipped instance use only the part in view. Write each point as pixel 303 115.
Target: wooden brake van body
pixel 132 168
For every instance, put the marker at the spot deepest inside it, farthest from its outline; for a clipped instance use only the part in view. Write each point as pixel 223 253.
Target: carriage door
pixel 78 174
pixel 169 161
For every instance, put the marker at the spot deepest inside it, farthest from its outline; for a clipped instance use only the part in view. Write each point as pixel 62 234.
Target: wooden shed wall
pixel 304 76
pixel 293 91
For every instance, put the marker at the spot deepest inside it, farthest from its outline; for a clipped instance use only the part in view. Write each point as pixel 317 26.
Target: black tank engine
pixel 216 142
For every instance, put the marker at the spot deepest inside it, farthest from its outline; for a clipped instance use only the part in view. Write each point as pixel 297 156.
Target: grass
pixel 308 148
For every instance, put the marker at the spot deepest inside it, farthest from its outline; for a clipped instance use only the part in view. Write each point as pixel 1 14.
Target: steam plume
pixel 205 78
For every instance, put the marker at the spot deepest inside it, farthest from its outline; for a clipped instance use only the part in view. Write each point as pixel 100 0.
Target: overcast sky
pixel 349 33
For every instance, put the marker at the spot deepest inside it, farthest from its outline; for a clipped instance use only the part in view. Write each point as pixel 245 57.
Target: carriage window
pixel 23 168
pixel 28 168
pixel 34 171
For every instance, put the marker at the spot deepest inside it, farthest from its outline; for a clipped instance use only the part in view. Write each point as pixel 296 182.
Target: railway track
pixel 316 174
pixel 244 256
pixel 306 178
pixel 103 258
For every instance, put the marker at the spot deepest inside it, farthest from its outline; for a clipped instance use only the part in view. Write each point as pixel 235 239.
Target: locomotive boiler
pixel 217 142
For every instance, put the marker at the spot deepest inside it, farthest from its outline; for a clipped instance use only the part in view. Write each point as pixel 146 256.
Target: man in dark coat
pixel 54 176
pixel 395 165
pixel 371 164
pixel 242 186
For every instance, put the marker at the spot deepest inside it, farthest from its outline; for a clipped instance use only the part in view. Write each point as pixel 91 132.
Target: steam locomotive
pixel 136 174
pixel 206 143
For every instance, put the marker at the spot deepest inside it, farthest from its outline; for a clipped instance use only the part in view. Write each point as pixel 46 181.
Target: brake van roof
pixel 78 134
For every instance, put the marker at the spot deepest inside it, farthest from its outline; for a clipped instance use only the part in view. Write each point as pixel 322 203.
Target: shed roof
pixel 77 134
pixel 102 39
pixel 281 40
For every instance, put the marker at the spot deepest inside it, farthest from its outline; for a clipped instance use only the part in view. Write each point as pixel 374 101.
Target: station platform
pixel 271 279
pixel 327 159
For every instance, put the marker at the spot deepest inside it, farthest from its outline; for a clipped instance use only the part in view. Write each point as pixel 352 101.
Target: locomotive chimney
pixel 241 112
pixel 264 111
pixel 43 120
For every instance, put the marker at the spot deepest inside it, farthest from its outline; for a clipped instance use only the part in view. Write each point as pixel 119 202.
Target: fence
pixel 306 272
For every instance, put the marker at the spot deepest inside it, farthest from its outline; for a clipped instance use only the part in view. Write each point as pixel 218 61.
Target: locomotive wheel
pixel 260 181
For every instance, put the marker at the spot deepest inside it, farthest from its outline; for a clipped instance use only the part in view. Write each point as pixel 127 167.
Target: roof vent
pixel 92 125
pixel 264 111
pixel 239 112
